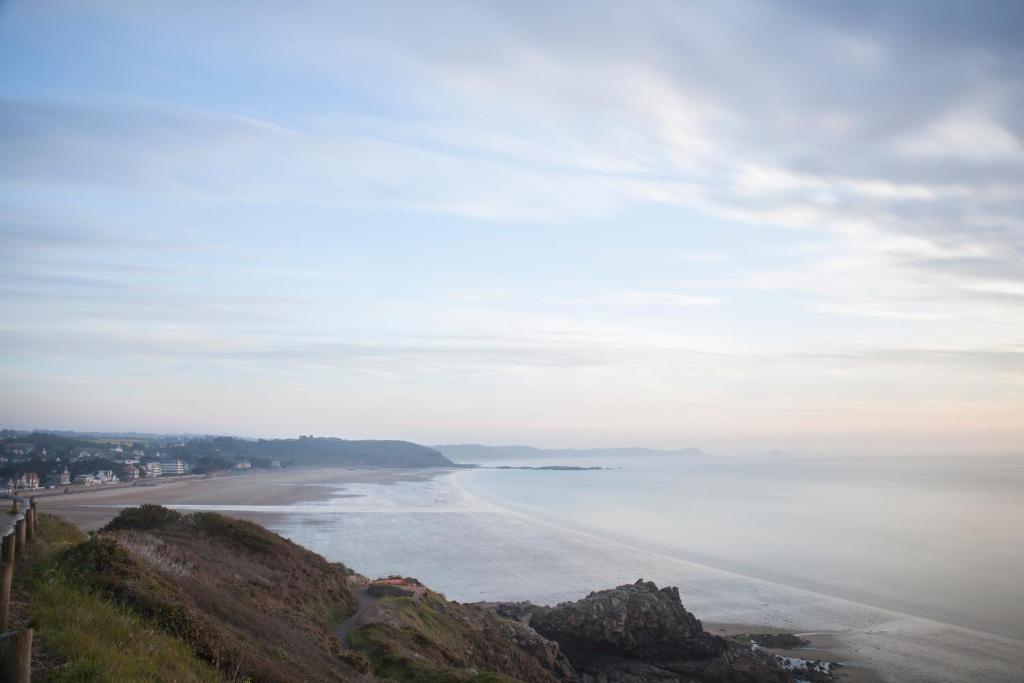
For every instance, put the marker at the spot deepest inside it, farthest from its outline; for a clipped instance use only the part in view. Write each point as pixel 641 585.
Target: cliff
pixel 158 595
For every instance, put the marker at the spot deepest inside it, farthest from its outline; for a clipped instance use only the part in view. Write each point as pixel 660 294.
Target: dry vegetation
pixel 431 639
pixel 83 636
pixel 193 598
pixel 160 596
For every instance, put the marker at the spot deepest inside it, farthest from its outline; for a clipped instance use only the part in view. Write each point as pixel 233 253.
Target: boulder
pixel 638 621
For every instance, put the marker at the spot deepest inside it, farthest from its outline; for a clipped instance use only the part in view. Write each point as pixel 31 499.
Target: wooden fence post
pixel 29 533
pixel 6 579
pixel 19 535
pixel 16 656
pixel 14 506
pixel 35 513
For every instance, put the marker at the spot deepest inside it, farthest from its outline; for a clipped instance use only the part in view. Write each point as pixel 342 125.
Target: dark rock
pixel 637 621
pixel 638 633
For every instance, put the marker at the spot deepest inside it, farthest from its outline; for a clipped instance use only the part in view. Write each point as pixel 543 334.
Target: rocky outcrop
pixel 639 621
pixel 638 632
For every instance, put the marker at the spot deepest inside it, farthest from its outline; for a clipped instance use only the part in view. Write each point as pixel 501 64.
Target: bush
pixel 143 518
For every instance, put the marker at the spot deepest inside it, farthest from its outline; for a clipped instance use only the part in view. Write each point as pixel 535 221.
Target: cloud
pixel 634 297
pixel 845 175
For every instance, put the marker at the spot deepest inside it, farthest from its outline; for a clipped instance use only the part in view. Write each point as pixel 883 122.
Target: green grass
pixel 91 637
pixel 418 627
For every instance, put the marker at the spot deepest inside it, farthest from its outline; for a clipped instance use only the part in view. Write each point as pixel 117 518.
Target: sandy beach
pixel 464 546
pixel 90 508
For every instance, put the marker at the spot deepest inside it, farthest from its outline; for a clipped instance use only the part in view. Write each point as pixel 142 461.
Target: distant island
pixel 472 452
pixel 543 468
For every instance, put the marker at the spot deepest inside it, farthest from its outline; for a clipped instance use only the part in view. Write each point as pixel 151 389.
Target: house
pixel 20 448
pixel 62 478
pixel 106 477
pixel 276 464
pixel 243 465
pixel 171 468
pixel 86 480
pixel 58 478
pixel 28 480
pixel 130 471
pixel 151 469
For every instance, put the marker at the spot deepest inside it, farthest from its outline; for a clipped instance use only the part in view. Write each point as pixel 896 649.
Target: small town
pixel 46 461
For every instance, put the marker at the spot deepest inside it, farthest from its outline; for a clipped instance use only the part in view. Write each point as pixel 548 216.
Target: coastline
pixel 91 508
pixel 875 643
pixel 866 639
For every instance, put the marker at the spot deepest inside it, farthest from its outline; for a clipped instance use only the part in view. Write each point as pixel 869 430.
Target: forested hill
pixel 47 454
pixel 334 451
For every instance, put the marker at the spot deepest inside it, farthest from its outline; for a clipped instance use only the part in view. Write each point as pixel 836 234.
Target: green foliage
pixel 143 518
pixel 92 637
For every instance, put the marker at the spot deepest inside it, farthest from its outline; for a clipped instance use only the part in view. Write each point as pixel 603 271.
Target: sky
pixel 737 226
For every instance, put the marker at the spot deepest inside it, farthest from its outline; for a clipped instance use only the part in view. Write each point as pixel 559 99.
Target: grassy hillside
pixel 208 596
pixel 159 596
pixel 81 634
pixel 430 640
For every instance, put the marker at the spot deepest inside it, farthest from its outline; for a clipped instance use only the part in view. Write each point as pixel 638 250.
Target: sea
pixel 915 565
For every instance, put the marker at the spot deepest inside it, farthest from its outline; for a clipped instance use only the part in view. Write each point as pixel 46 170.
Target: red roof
pixel 395 582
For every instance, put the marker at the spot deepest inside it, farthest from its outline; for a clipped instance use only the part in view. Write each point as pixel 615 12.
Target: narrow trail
pixel 363 600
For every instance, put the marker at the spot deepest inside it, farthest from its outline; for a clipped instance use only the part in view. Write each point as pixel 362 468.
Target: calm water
pixel 938 538
pixel 846 546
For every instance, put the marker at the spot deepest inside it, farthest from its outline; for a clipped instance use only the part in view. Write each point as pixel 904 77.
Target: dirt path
pixel 363 600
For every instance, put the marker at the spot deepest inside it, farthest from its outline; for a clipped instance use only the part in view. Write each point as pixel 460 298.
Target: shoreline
pixel 91 508
pixel 888 647
pixel 875 644
pixel 715 564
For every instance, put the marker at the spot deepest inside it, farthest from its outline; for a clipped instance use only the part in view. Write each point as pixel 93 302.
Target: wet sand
pixel 897 647
pixel 823 647
pixel 90 508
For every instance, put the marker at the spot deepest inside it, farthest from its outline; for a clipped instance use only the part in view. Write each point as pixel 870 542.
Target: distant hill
pixel 471 452
pixel 333 451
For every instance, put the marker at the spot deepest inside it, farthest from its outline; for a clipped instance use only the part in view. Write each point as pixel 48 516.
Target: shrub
pixel 143 518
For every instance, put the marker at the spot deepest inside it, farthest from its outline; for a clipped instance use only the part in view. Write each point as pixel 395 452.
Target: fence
pixel 16 530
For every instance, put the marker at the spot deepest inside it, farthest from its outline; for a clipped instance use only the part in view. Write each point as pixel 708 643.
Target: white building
pixel 106 477
pixel 172 468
